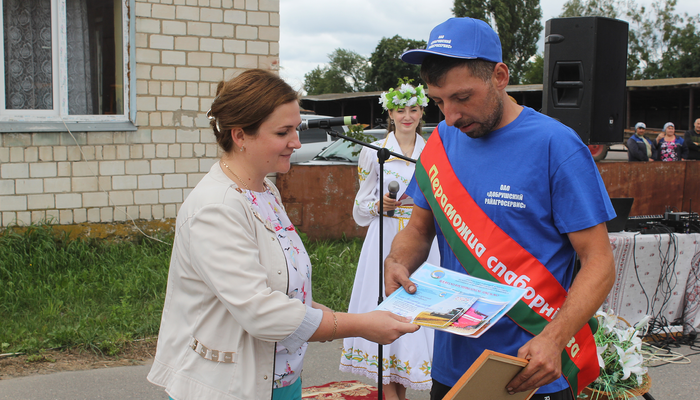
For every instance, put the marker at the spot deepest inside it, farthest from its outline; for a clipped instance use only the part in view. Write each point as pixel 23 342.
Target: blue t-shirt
pixel 537 181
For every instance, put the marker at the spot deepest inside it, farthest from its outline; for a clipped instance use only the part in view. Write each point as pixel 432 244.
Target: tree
pixel 386 65
pixel 590 8
pixel 683 56
pixel 664 44
pixel 325 80
pixel 352 66
pixel 517 23
pixel 346 72
pixel 534 71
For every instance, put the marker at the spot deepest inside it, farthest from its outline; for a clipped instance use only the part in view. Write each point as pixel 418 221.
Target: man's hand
pixel 395 276
pixel 409 250
pixel 588 291
pixel 544 365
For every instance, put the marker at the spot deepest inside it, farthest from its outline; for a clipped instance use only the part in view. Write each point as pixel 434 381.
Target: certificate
pixel 452 301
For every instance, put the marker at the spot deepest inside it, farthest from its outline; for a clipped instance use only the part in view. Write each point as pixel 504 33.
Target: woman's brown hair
pixel 246 101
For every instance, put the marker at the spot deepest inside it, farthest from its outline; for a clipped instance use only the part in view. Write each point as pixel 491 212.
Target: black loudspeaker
pixel 585 60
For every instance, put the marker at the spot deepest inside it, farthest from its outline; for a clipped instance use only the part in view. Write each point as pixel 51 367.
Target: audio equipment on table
pixel 683 222
pixel 669 222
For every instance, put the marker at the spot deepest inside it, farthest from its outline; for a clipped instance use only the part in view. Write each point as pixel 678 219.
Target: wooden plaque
pixel 487 378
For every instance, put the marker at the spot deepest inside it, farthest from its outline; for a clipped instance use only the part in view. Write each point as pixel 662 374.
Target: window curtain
pixel 28 72
pixel 80 85
pixel 28 56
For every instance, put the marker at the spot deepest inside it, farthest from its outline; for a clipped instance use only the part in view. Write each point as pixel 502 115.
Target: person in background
pixel 692 139
pixel 516 217
pixel 669 146
pixel 639 148
pixel 239 307
pixel 407 360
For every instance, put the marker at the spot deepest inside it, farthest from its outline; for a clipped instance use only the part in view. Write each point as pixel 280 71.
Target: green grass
pixel 58 293
pixel 334 264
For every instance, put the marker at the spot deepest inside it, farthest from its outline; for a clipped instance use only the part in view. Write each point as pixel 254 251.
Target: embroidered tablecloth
pixel 656 275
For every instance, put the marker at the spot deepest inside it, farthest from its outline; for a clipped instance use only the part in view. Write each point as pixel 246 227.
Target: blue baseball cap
pixel 466 38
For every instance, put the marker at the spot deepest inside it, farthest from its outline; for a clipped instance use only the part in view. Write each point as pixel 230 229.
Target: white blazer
pixel 226 303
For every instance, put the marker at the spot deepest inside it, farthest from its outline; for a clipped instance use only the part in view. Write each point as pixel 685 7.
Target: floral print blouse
pixel 288 366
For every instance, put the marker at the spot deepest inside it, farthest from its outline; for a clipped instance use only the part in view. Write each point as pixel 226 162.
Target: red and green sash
pixel 485 251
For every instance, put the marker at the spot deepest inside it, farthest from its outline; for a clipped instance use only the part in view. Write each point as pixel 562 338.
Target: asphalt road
pixel 675 381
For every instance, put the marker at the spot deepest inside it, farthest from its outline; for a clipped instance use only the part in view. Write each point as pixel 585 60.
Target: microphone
pixel 325 123
pixel 393 189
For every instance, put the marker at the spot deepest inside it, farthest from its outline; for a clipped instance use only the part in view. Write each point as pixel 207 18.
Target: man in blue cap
pixel 639 148
pixel 513 197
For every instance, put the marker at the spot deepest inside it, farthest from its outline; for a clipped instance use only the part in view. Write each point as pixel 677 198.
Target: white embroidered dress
pixel 408 360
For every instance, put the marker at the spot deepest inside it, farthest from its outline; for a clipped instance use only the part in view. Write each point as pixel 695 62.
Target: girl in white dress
pixel 408 361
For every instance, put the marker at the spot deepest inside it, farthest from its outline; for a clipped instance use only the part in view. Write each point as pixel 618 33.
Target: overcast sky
pixel 312 29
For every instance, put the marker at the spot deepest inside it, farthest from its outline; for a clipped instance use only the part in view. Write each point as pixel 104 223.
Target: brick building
pixel 113 127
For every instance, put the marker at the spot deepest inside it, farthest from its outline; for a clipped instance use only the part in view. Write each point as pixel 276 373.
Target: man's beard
pixel 492 120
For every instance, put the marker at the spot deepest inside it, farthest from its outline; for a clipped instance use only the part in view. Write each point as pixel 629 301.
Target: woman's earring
pixel 242 148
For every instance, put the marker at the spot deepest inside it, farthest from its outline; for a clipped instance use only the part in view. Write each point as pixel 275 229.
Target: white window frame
pixel 33 119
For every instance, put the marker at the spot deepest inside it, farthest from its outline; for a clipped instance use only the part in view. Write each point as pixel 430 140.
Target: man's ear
pixel 501 76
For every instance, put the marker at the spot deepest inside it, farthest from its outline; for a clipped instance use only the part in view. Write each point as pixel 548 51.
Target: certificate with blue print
pixel 453 302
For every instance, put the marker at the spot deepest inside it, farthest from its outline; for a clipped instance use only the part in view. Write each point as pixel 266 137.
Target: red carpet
pixel 346 390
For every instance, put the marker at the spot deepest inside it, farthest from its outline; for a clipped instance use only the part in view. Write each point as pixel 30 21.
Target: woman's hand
pixel 321 307
pixel 381 327
pixel 325 310
pixel 389 203
pixel 384 327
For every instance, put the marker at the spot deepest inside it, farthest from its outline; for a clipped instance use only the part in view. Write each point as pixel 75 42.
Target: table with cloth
pixel 658 275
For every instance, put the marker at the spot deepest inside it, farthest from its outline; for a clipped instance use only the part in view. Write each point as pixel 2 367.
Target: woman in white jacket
pixel 239 308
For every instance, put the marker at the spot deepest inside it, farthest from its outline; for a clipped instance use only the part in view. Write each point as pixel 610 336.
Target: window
pixel 63 60
pixel 316 135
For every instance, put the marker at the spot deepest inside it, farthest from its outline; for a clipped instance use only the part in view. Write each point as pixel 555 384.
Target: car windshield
pixel 345 150
pixel 317 135
pixel 340 150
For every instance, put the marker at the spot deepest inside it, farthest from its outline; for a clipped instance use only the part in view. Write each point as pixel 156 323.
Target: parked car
pixel 313 140
pixel 341 152
pixel 345 152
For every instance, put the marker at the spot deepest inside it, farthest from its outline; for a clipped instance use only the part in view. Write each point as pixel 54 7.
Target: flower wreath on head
pixel 404 96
